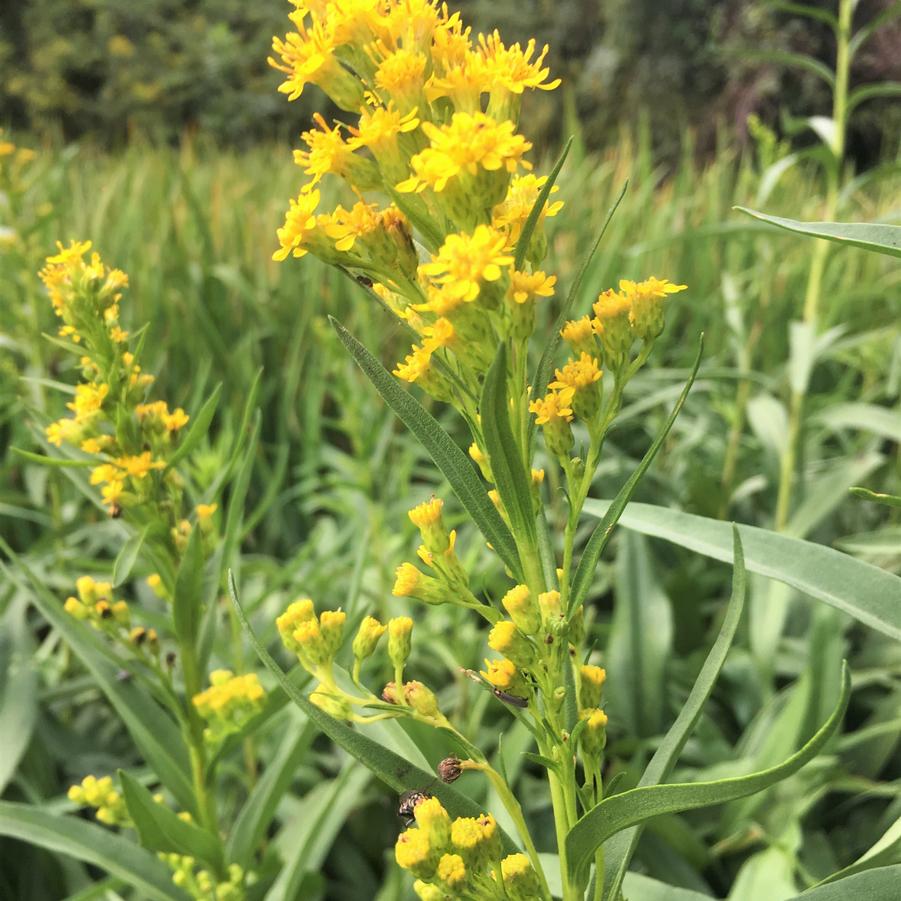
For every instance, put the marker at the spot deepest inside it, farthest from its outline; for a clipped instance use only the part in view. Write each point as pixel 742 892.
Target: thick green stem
pixel 814 292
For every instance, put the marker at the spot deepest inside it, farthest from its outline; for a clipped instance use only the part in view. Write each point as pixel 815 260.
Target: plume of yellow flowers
pixel 433 154
pixel 112 420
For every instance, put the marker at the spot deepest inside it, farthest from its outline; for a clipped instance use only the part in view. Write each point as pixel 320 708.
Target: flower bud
pixel 331 625
pixel 368 635
pixel 595 735
pixel 523 609
pixel 334 705
pixel 521 882
pixel 425 891
pixel 298 612
pixel 551 609
pixel 506 639
pixel 427 518
pixel 410 582
pixel 452 872
pixel 504 676
pixel 593 678
pixel 434 821
pixel 399 640
pixel 422 699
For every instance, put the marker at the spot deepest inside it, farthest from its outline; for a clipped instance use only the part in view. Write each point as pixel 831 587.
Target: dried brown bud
pixel 449 769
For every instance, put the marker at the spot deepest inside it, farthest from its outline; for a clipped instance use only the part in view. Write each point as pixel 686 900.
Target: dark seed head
pixel 449 769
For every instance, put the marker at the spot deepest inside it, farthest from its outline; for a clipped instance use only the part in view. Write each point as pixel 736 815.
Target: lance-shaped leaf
pixel 873 885
pixel 619 849
pixel 198 428
pixel 604 529
pixel 160 829
pixel 394 770
pixel 453 463
pixel 861 590
pixel 91 844
pixel 637 805
pixel 870 236
pixel 504 456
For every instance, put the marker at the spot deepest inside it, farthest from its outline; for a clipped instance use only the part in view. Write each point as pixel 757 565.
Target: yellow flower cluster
pixel 201 884
pixel 435 151
pixel 460 858
pixel 111 417
pixel 102 796
pixel 450 582
pixel 633 313
pixel 95 604
pixel 228 703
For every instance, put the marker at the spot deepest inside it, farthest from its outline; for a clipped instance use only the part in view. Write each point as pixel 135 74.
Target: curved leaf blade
pixel 640 804
pixel 618 850
pixel 869 594
pixel 453 463
pixel 160 829
pixel 874 885
pixel 197 429
pixel 604 530
pixel 869 236
pixel 92 844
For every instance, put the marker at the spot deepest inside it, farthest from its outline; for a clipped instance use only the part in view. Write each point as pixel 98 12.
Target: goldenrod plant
pixel 447 231
pixel 525 735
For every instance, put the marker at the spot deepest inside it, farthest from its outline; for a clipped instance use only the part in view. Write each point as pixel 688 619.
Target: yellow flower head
pixel 400 75
pixel 434 821
pixel 554 407
pixel 578 374
pixel 523 609
pixel 502 674
pixel 506 639
pixel 468 143
pixel 400 630
pixel 300 224
pixel 451 870
pixel 427 513
pixel 413 852
pixel 379 128
pixel 345 226
pixel 327 152
pixel 228 703
pixel 525 286
pixel 465 262
pixel 512 68
pixel 522 193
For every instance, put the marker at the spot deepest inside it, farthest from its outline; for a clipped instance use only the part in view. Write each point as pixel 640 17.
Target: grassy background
pixel 334 475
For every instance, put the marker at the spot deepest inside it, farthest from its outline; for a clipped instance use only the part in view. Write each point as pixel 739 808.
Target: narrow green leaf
pixel 525 236
pixel 618 849
pixel 504 456
pixel 18 690
pixel 161 829
pixel 259 808
pixel 872 91
pixel 453 463
pixel 128 556
pixel 889 500
pixel 870 236
pixel 154 733
pixel 637 805
pixel 795 60
pixel 869 594
pixel 864 33
pixel 188 596
pixel 886 852
pixel 58 462
pixel 873 885
pixel 603 531
pixel 546 362
pixel 394 770
pixel 198 428
pixel 642 888
pixel 81 840
pixel 809 12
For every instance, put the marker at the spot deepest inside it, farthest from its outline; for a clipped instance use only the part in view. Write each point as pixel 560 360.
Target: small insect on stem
pixel 510 699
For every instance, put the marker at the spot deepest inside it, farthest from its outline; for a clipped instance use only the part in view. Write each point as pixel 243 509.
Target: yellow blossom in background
pixel 228 703
pixel 108 803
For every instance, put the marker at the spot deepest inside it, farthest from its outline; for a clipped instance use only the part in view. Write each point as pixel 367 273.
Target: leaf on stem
pixel 453 463
pixel 640 804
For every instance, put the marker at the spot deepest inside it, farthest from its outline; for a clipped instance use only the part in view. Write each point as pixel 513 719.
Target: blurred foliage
pixel 109 68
